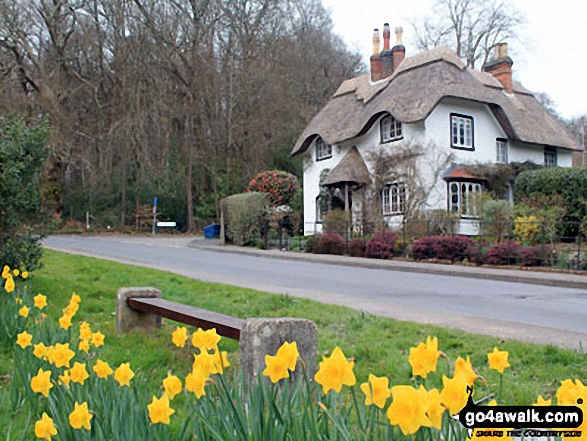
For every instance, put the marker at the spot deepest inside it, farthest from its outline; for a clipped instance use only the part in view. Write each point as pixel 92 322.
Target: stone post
pixel 128 319
pixel 262 336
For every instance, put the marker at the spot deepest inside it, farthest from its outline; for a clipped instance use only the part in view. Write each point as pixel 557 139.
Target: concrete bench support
pixel 262 336
pixel 128 319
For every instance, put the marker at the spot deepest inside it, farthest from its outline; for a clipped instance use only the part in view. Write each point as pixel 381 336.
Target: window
pixel 391 129
pixel 464 198
pixel 323 150
pixel 461 132
pixel 501 148
pixel 393 198
pixel 549 157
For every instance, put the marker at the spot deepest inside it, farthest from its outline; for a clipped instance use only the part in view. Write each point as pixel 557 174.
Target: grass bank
pixel 379 345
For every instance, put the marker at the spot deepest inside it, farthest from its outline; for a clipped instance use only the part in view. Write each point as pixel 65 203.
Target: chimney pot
pixel 501 67
pixel 376 42
pixel 386 36
pixel 398 35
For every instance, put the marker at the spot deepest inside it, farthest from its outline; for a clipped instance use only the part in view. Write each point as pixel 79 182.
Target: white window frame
pixel 464 198
pixel 393 198
pixel 390 129
pixel 550 157
pixel 501 151
pixel 323 150
pixel 461 132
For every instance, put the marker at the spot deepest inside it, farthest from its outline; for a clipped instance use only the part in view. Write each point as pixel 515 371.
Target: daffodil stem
pixel 360 420
pixel 500 386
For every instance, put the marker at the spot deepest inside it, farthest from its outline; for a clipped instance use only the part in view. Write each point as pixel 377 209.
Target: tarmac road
pixel 522 311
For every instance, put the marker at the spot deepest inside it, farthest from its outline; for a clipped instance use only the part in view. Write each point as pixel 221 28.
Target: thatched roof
pixel 351 169
pixel 413 91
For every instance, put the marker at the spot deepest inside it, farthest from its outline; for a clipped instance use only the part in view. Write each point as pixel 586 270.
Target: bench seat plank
pixel 225 325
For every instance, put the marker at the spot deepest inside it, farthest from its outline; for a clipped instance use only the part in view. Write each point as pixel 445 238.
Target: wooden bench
pixel 142 308
pixel 225 325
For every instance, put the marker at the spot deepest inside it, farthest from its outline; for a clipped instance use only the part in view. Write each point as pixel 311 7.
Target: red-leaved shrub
pixel 381 245
pixel 331 243
pixel 357 247
pixel 451 248
pixel 537 255
pixel 506 253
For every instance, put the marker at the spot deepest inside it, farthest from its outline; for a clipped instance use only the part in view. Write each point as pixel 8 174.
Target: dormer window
pixel 391 129
pixel 323 150
pixel 461 132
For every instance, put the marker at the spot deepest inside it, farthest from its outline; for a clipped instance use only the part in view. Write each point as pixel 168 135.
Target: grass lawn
pixel 378 345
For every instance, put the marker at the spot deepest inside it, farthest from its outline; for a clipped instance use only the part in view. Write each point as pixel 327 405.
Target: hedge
pixel 243 214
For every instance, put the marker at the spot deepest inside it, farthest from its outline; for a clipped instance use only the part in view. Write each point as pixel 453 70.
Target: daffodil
pixel 498 360
pixel 5 272
pixel 85 331
pixel 335 371
pixel 75 299
pixel 424 357
pixel 9 284
pixel 407 410
pixel 179 336
pixel 102 369
pixel 376 391
pixel 44 428
pixel 569 392
pixel 195 382
pixel 98 339
pixel 454 394
pixel 433 407
pixel 24 339
pixel 78 373
pixel 275 368
pixel 542 402
pixel 16 272
pixel 84 345
pixel 464 371
pixel 207 362
pixel 288 352
pixel 24 311
pixel 25 274
pixel 124 374
pixel 40 301
pixel 40 350
pixel 172 385
pixel 65 321
pixel 62 355
pixel 80 417
pixel 159 410
pixel 65 378
pixel 41 383
pixel 206 340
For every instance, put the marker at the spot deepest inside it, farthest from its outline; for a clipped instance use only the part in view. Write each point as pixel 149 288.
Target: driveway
pixel 523 311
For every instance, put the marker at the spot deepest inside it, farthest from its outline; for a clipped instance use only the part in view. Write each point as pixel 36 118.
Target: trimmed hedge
pixel 443 247
pixel 330 243
pixel 243 214
pixel 381 245
pixel 569 183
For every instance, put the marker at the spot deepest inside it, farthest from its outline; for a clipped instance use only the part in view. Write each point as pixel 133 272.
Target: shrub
pixel 381 245
pixel 537 255
pixel 506 253
pixel 279 186
pixel 312 243
pixel 243 215
pixel 451 248
pixel 527 228
pixel 335 221
pixel 496 217
pixel 330 243
pixel 357 247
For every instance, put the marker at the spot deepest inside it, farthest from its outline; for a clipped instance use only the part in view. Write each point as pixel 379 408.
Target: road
pixel 520 311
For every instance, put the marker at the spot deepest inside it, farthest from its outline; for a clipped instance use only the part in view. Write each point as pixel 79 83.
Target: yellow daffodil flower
pixel 407 410
pixel 40 350
pixel 159 410
pixel 98 339
pixel 172 385
pixel 569 392
pixel 376 391
pixel 454 394
pixel 44 428
pixel 335 371
pixel 78 373
pixel 65 378
pixel 498 360
pixel 206 340
pixel 276 368
pixel 80 417
pixel 85 332
pixel 542 402
pixel 123 374
pixel 62 355
pixel 9 284
pixel 464 371
pixel 65 321
pixel 179 336
pixel 195 382
pixel 24 339
pixel 24 311
pixel 84 345
pixel 40 301
pixel 41 383
pixel 102 369
pixel 16 272
pixel 424 357
pixel 25 275
pixel 5 272
pixel 433 407
pixel 289 353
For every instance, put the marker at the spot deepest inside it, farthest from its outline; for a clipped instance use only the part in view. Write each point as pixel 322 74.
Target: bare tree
pixel 470 27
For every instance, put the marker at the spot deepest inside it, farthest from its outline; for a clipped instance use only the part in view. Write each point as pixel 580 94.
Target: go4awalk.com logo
pixel 521 421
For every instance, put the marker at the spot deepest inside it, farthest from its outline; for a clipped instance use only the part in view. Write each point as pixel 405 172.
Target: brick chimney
pixel 501 66
pixel 386 55
pixel 398 51
pixel 376 68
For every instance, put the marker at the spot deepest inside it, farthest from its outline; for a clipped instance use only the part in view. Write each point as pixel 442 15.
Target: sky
pixel 550 56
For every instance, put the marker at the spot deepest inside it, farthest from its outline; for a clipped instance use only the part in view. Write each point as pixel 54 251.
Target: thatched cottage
pixel 398 140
